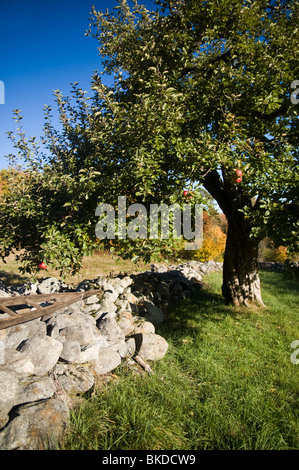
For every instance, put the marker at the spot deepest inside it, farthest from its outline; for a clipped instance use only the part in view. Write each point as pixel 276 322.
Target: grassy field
pixel 92 267
pixel 227 381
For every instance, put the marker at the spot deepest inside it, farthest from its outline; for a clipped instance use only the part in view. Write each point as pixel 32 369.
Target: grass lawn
pixel 227 381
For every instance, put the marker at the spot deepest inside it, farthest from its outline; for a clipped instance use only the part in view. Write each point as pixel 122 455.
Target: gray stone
pixel 109 286
pixel 73 379
pixel 109 328
pixel 125 322
pixel 33 288
pixel 75 307
pixel 48 286
pixel 3 334
pixel 126 281
pixel 204 268
pixel 80 333
pixel 34 389
pixel 111 296
pixel 93 299
pixel 123 305
pixel 91 309
pixel 15 335
pixel 36 426
pixel 91 352
pixel 44 353
pixel 71 351
pixel 18 362
pixel 53 330
pixel 3 293
pixel 118 287
pixel 132 299
pixel 83 318
pixel 150 346
pixel 107 361
pixel 106 307
pixel 131 347
pixel 154 314
pixel 101 281
pixel 9 386
pixel 121 348
pixel 113 334
pixel 143 326
pixel 37 327
pixel 63 320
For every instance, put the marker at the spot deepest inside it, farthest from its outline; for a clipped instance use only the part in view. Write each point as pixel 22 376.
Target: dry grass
pixel 100 264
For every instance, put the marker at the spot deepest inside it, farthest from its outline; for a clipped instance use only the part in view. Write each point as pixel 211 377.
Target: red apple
pixel 239 173
pixel 185 193
pixel 238 180
pixel 42 266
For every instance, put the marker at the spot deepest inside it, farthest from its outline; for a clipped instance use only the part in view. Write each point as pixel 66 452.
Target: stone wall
pixel 290 269
pixel 45 362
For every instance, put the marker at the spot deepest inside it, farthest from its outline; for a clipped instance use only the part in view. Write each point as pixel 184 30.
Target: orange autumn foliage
pixel 10 179
pixel 214 240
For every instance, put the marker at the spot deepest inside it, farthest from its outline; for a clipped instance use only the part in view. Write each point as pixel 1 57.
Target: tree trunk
pixel 241 282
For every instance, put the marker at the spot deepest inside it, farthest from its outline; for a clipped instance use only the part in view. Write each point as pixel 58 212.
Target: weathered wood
pixel 52 303
pixel 143 364
pixel 7 310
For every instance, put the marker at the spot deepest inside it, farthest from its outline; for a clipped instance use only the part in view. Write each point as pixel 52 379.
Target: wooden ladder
pixel 24 308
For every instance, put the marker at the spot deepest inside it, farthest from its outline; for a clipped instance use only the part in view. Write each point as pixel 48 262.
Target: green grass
pixel 227 381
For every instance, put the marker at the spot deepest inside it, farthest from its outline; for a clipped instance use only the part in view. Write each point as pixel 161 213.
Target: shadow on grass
pixel 9 278
pixel 188 315
pixel 278 282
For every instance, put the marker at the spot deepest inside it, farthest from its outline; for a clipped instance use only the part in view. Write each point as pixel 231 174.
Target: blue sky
pixel 43 48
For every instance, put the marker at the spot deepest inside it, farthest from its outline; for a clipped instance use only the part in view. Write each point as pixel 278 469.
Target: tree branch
pixel 274 114
pixel 224 56
pixel 214 185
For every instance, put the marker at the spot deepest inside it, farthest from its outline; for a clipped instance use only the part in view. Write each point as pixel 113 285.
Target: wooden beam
pixel 57 302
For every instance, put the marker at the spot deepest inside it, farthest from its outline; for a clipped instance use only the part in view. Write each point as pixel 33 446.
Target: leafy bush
pixel 268 251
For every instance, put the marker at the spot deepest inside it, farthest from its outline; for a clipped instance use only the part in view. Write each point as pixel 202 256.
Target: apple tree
pixel 201 94
pixel 204 88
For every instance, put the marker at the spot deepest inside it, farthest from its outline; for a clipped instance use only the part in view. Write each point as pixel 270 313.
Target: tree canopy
pixel 200 89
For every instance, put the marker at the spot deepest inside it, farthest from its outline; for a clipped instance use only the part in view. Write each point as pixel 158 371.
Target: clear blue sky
pixel 43 48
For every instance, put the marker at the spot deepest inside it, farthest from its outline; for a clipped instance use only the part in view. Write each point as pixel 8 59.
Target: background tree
pixel 201 88
pixel 3 183
pixel 214 239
